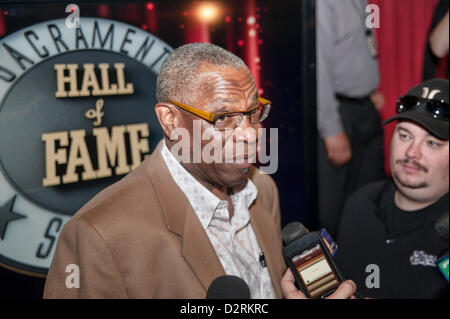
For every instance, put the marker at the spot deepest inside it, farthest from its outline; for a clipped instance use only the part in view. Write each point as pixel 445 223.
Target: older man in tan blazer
pixel 169 228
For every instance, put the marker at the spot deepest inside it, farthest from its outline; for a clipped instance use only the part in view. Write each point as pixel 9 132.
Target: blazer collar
pixel 182 220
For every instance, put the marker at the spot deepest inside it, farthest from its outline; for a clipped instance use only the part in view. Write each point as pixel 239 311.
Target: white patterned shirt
pixel 234 241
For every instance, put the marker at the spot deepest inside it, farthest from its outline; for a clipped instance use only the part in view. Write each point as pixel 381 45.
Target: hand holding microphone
pixel 311 267
pixel 346 289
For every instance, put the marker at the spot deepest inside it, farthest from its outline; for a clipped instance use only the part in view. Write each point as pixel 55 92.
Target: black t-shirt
pixel 375 233
pixel 400 222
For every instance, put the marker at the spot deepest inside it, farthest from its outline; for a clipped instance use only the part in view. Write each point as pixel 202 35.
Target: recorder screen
pixel 315 271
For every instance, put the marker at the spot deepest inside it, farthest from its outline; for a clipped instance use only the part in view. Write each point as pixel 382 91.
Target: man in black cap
pixel 387 239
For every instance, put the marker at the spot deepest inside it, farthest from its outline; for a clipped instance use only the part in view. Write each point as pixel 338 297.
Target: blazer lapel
pixel 260 220
pixel 182 220
pixel 199 252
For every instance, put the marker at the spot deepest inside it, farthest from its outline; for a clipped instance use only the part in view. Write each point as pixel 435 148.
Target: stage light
pixel 207 12
pixel 150 6
pixel 251 20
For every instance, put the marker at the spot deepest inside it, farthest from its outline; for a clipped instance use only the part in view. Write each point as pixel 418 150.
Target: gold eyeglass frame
pixel 212 117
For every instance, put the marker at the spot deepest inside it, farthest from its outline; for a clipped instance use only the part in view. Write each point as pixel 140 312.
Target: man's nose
pixel 246 132
pixel 414 150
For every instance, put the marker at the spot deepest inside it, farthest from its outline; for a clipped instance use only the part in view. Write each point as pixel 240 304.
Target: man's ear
pixel 167 117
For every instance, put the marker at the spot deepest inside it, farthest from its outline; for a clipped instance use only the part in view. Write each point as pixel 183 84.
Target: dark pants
pixel 363 126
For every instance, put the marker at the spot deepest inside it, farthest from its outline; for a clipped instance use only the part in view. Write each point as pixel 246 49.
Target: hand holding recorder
pixel 345 290
pixel 311 267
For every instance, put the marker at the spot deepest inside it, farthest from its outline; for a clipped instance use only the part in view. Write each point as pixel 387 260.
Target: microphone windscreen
pixel 228 287
pixel 292 231
pixel 441 226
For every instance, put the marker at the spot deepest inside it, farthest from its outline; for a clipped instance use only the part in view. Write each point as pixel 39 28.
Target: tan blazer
pixel 140 238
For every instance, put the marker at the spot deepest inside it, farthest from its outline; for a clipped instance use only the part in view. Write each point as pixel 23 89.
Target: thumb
pixel 345 290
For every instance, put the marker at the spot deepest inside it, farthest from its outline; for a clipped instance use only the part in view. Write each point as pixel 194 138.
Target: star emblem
pixel 7 215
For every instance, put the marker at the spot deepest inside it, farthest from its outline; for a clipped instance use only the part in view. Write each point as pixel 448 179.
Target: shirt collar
pixel 205 203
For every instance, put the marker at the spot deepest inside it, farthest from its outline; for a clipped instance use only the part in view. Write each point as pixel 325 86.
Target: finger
pixel 335 162
pixel 339 159
pixel 345 156
pixel 288 287
pixel 345 290
pixel 334 156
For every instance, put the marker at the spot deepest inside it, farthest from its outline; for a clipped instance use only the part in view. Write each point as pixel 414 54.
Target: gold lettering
pixel 128 89
pixel 89 80
pixel 106 88
pixel 138 145
pixel 70 148
pixel 61 80
pixel 52 156
pixel 90 84
pixel 78 146
pixel 111 148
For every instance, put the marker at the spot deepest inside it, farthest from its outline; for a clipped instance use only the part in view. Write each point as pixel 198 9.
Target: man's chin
pixel 409 184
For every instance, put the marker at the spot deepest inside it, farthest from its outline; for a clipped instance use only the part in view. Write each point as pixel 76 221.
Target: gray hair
pixel 178 74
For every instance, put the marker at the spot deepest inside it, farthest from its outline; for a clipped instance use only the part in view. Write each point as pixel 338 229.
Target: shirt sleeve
pixel 328 118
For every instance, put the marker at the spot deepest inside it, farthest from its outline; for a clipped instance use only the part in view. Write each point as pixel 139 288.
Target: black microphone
pixel 228 287
pixel 292 231
pixel 441 226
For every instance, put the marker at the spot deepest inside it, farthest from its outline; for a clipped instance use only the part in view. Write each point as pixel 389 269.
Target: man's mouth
pixel 243 168
pixel 242 165
pixel 246 159
pixel 411 169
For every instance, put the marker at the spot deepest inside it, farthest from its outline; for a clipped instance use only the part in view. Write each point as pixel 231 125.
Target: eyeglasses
pixel 436 109
pixel 231 120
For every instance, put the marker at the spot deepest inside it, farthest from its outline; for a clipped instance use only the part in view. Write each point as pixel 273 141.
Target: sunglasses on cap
pixel 436 109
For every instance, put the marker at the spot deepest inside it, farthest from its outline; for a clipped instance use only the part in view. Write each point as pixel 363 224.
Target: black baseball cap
pixel 427 105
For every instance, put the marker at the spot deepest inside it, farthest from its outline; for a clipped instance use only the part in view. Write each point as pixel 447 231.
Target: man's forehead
pixel 232 75
pixel 226 84
pixel 413 127
pixel 408 124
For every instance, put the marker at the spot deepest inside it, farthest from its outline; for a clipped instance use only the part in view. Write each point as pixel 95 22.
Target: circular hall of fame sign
pixel 76 115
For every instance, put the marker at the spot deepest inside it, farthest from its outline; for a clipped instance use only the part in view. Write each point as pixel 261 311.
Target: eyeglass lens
pixel 234 120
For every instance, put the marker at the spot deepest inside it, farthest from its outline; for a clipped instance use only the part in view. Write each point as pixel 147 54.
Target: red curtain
pixel 402 36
